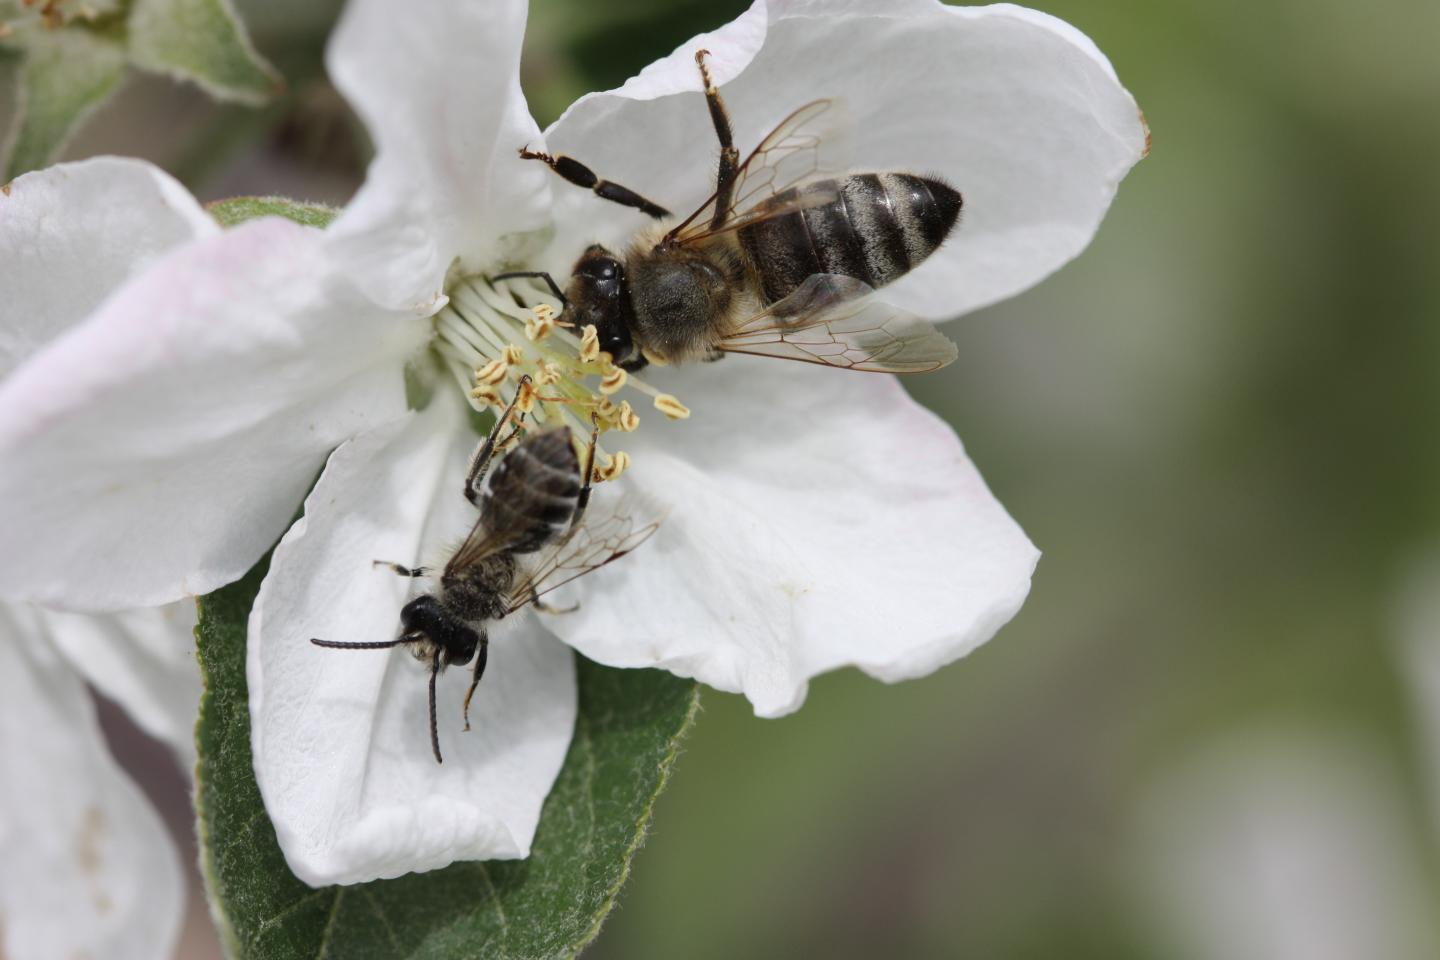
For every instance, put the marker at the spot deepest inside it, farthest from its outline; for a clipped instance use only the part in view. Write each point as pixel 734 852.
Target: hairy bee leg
pixel 587 472
pixel 480 462
pixel 534 275
pixel 434 727
pixel 582 176
pixel 729 156
pixel 404 571
pixel 482 654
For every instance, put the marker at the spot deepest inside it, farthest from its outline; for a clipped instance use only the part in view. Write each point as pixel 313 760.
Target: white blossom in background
pixel 814 518
pixel 1284 842
pixel 89 867
pixel 1280 844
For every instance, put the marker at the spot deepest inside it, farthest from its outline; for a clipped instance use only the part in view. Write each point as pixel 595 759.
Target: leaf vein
pixel 329 930
pixel 384 920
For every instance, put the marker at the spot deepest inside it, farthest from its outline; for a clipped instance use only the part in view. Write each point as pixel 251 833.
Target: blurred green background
pixel 1218 424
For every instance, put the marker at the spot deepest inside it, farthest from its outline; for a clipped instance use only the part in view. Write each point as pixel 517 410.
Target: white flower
pixel 815 518
pixel 90 869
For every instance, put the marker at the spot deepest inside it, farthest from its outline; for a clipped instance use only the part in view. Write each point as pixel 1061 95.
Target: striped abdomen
pixel 532 493
pixel 879 228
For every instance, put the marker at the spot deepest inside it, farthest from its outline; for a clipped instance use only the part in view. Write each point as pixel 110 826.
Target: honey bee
pixel 536 499
pixel 775 262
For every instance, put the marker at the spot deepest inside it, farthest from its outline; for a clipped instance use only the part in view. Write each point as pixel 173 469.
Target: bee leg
pixel 587 473
pixel 482 654
pixel 537 275
pixel 582 176
pixel 404 571
pixel 729 156
pixel 480 462
pixel 544 607
pixel 434 727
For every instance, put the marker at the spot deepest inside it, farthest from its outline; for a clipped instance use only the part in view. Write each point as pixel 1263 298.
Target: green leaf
pixel 551 905
pixel 202 41
pixel 63 76
pixel 239 209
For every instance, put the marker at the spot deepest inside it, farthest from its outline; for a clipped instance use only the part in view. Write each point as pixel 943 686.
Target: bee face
pixel 429 628
pixel 598 296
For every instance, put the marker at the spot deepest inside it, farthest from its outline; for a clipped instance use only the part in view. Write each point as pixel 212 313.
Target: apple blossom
pixel 815 519
pixel 90 869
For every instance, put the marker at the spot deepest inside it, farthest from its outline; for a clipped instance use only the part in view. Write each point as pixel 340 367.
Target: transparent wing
pixel 813 140
pixel 480 543
pixel 836 321
pixel 589 548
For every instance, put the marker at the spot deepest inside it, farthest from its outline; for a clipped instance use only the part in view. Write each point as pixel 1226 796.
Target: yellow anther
pixel 672 408
pixel 492 373
pixel 525 397
pixel 626 419
pixel 486 395
pixel 612 467
pixel 547 373
pixel 512 354
pixel 540 322
pixel 613 380
pixel 589 344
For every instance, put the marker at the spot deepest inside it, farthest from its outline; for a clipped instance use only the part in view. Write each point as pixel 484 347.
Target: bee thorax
pixel 676 302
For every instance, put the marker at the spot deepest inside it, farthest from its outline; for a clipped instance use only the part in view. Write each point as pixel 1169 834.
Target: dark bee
pixel 536 499
pixel 775 262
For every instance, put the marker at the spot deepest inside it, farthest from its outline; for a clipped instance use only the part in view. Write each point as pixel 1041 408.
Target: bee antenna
pixel 365 645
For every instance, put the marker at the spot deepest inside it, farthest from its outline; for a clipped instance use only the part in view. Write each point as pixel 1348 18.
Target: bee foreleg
pixel 481 655
pixel 434 727
pixel 729 156
pixel 535 275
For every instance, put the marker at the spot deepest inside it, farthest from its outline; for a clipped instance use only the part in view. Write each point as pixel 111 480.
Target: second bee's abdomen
pixel 533 491
pixel 879 228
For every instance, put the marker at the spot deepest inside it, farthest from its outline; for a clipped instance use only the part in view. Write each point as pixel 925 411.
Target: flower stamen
pixel 490 339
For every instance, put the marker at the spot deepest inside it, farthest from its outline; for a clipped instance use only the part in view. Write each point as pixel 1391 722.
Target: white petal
pixel 71 234
pixel 438 86
pixel 144 660
pixel 817 519
pixel 157 449
pixel 88 867
pixel 1283 846
pixel 1016 109
pixel 341 737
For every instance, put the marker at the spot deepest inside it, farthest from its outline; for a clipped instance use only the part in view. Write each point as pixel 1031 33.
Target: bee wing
pixel 589 548
pixel 812 140
pixel 480 542
pixel 835 321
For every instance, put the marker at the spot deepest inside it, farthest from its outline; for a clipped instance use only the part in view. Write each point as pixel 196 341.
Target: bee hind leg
pixel 729 156
pixel 480 462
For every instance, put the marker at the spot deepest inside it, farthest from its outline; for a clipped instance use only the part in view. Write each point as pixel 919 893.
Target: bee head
pixel 427 626
pixel 598 297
